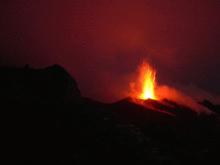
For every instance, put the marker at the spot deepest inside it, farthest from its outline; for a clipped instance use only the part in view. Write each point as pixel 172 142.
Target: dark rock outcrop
pixel 27 85
pixel 213 107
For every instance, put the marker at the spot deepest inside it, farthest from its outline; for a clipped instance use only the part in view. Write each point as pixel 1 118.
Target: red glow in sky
pixel 103 41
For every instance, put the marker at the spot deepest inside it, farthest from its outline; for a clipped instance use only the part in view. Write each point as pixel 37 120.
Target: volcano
pixel 46 120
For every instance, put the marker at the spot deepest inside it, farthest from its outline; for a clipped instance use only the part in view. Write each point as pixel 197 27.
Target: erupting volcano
pixel 138 125
pixel 144 87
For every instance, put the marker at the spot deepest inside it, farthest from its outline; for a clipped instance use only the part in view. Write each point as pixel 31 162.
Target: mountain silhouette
pixel 46 120
pixel 27 85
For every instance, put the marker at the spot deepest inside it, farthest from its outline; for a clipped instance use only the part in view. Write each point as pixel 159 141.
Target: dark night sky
pixel 101 42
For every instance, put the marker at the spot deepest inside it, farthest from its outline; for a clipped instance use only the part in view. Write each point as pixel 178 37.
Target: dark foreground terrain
pixel 45 120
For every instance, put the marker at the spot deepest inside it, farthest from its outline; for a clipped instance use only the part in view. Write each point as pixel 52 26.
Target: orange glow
pixel 144 87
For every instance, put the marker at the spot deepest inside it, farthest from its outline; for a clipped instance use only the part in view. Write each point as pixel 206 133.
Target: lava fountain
pixel 144 87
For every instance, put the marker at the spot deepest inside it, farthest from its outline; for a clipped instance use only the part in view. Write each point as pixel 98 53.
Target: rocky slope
pixel 46 120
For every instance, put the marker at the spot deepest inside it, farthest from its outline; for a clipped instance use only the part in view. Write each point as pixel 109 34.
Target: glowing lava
pixel 147 74
pixel 144 87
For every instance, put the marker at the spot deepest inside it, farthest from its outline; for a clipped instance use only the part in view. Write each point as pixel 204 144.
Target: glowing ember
pixel 144 88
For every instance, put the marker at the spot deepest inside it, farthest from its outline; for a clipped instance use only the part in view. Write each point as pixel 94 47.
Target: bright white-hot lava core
pixel 144 87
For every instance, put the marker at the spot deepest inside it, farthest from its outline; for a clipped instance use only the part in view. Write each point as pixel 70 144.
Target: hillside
pixel 46 120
